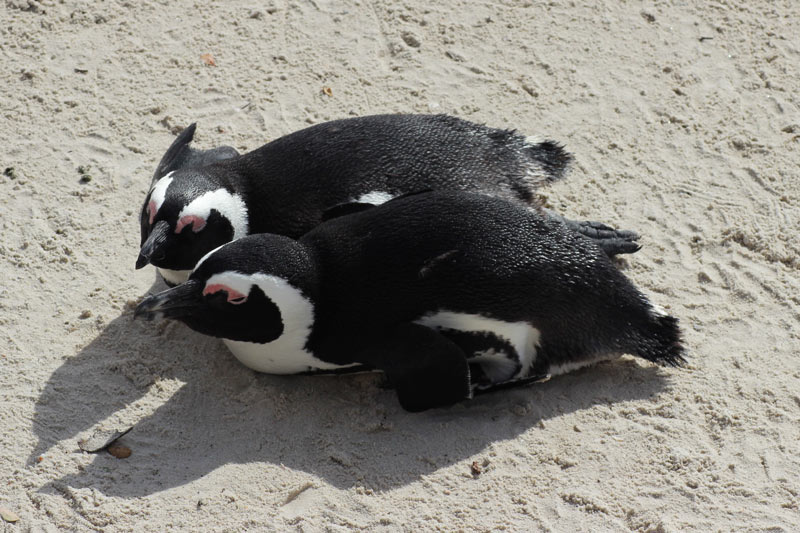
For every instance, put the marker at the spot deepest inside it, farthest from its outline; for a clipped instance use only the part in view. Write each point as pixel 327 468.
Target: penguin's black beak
pixel 179 301
pixel 153 247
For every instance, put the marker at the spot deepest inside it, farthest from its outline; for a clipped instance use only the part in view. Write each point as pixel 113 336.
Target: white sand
pixel 696 144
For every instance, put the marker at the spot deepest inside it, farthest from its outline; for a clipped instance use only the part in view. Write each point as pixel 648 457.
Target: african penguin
pixel 202 199
pixel 447 292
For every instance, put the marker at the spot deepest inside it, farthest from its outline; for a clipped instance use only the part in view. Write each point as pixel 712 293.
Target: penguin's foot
pixel 483 388
pixel 611 241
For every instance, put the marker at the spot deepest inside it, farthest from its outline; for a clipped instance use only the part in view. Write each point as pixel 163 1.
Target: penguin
pixel 201 199
pixel 449 293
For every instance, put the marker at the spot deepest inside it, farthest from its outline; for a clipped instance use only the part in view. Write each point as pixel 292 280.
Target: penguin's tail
pixel 660 340
pixel 549 161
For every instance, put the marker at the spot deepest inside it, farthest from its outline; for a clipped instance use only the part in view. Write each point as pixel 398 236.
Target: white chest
pixel 276 358
pixel 176 277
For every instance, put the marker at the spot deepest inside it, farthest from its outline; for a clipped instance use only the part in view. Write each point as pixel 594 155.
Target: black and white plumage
pixel 201 199
pixel 447 292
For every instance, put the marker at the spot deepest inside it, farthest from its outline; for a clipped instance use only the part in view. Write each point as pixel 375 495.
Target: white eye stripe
pixel 158 193
pixel 230 206
pixel 296 310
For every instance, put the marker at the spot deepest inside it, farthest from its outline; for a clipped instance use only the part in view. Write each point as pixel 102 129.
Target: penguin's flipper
pixel 181 155
pixel 340 210
pixel 348 208
pixel 426 369
pixel 611 241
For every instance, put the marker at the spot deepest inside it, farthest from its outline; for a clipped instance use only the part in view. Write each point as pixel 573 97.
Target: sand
pixel 685 124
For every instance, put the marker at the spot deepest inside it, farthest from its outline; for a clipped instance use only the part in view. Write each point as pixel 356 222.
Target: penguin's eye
pixel 197 223
pixel 234 297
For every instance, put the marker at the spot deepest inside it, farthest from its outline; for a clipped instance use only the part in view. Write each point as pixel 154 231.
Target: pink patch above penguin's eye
pixel 196 222
pixel 151 210
pixel 234 297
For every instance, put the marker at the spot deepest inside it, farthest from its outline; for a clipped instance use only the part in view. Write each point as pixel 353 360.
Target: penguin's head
pixel 255 289
pixel 186 214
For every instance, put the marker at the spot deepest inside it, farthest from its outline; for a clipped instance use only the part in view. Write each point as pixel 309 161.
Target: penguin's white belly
pixel 266 358
pixel 176 277
pixel 499 365
pixel 565 368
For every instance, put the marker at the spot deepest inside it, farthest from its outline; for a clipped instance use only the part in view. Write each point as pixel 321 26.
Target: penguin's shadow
pixel 347 430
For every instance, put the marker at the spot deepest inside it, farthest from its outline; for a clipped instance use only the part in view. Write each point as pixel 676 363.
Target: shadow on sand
pixel 345 429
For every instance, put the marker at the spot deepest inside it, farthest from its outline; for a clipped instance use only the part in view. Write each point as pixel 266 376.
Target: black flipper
pixel 611 241
pixel 426 369
pixel 181 155
pixel 412 193
pixel 348 208
pixel 340 210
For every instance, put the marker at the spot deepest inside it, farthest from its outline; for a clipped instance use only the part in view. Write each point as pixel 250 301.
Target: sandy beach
pixel 684 121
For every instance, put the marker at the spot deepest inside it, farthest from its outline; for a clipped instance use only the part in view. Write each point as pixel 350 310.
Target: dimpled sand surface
pixel 685 124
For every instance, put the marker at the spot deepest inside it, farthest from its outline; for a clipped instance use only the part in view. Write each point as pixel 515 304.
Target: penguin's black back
pixel 339 161
pixel 474 254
